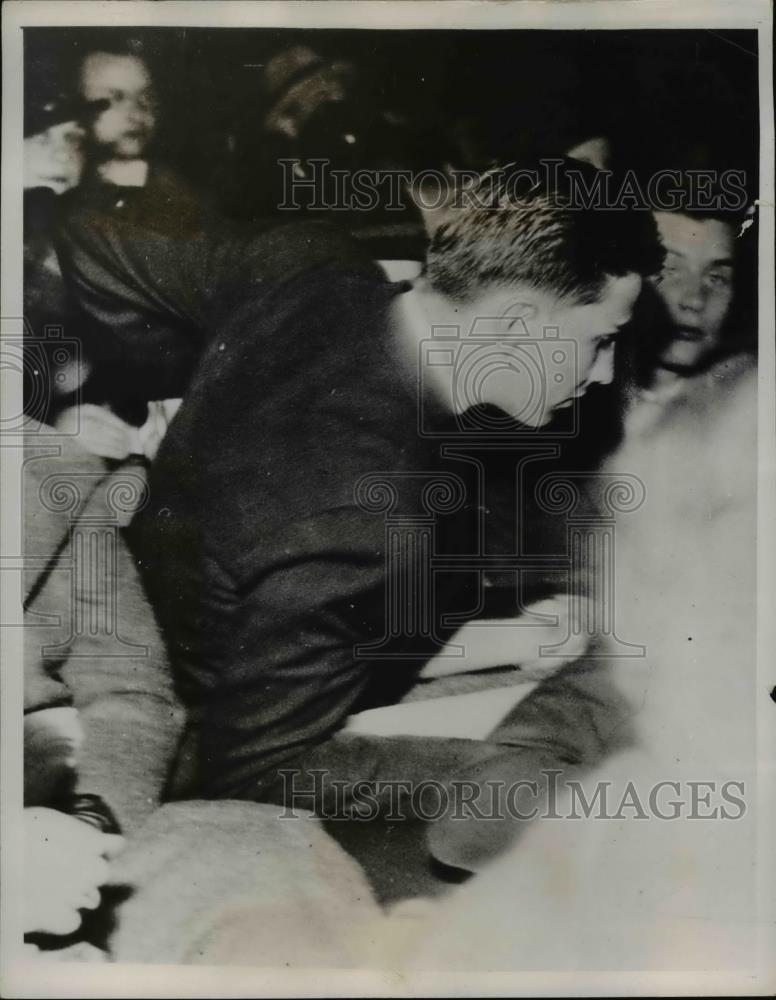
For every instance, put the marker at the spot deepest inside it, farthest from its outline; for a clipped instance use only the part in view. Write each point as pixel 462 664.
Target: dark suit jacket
pixel 290 504
pixel 264 545
pixel 158 271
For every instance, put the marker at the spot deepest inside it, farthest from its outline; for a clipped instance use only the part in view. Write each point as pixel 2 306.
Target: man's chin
pixel 129 150
pixel 57 184
pixel 533 422
pixel 685 355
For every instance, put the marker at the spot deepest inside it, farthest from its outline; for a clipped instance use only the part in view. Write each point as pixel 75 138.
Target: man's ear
pixel 522 310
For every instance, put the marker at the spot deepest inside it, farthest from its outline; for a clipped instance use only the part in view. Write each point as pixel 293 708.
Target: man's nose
pixel 602 371
pixel 138 114
pixel 691 296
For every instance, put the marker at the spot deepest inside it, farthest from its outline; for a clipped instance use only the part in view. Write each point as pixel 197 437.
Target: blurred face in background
pixel 125 128
pixel 54 158
pixel 299 81
pixel 290 114
pixel 695 285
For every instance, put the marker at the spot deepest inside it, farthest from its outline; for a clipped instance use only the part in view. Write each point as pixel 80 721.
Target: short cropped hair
pixel 509 230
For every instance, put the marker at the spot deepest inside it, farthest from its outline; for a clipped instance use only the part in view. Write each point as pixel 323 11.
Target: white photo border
pixel 73 980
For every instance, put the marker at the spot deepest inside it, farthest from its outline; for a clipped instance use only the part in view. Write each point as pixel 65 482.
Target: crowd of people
pixel 297 483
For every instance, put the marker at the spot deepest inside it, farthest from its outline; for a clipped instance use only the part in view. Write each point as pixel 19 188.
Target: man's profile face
pixel 537 352
pixel 695 285
pixel 125 128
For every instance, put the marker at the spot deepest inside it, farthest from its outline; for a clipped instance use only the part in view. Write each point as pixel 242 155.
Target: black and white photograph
pixel 388 445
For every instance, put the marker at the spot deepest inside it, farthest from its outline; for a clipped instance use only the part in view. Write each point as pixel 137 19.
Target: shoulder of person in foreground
pixel 631 882
pixel 709 427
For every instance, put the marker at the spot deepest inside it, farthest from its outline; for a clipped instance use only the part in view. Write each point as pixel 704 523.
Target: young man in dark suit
pixel 319 466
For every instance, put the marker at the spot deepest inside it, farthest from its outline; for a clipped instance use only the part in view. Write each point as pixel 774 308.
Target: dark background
pixel 667 99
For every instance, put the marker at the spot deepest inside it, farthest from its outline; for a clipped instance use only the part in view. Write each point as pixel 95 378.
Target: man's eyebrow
pixel 715 262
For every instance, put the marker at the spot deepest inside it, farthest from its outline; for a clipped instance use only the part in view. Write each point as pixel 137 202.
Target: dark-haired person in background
pixel 704 288
pixel 265 569
pixel 149 260
pixel 62 344
pixel 698 314
pixel 696 286
pixel 120 134
pixel 330 145
pixel 135 385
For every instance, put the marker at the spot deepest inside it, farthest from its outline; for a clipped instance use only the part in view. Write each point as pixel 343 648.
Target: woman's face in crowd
pixel 125 128
pixel 54 158
pixel 696 284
